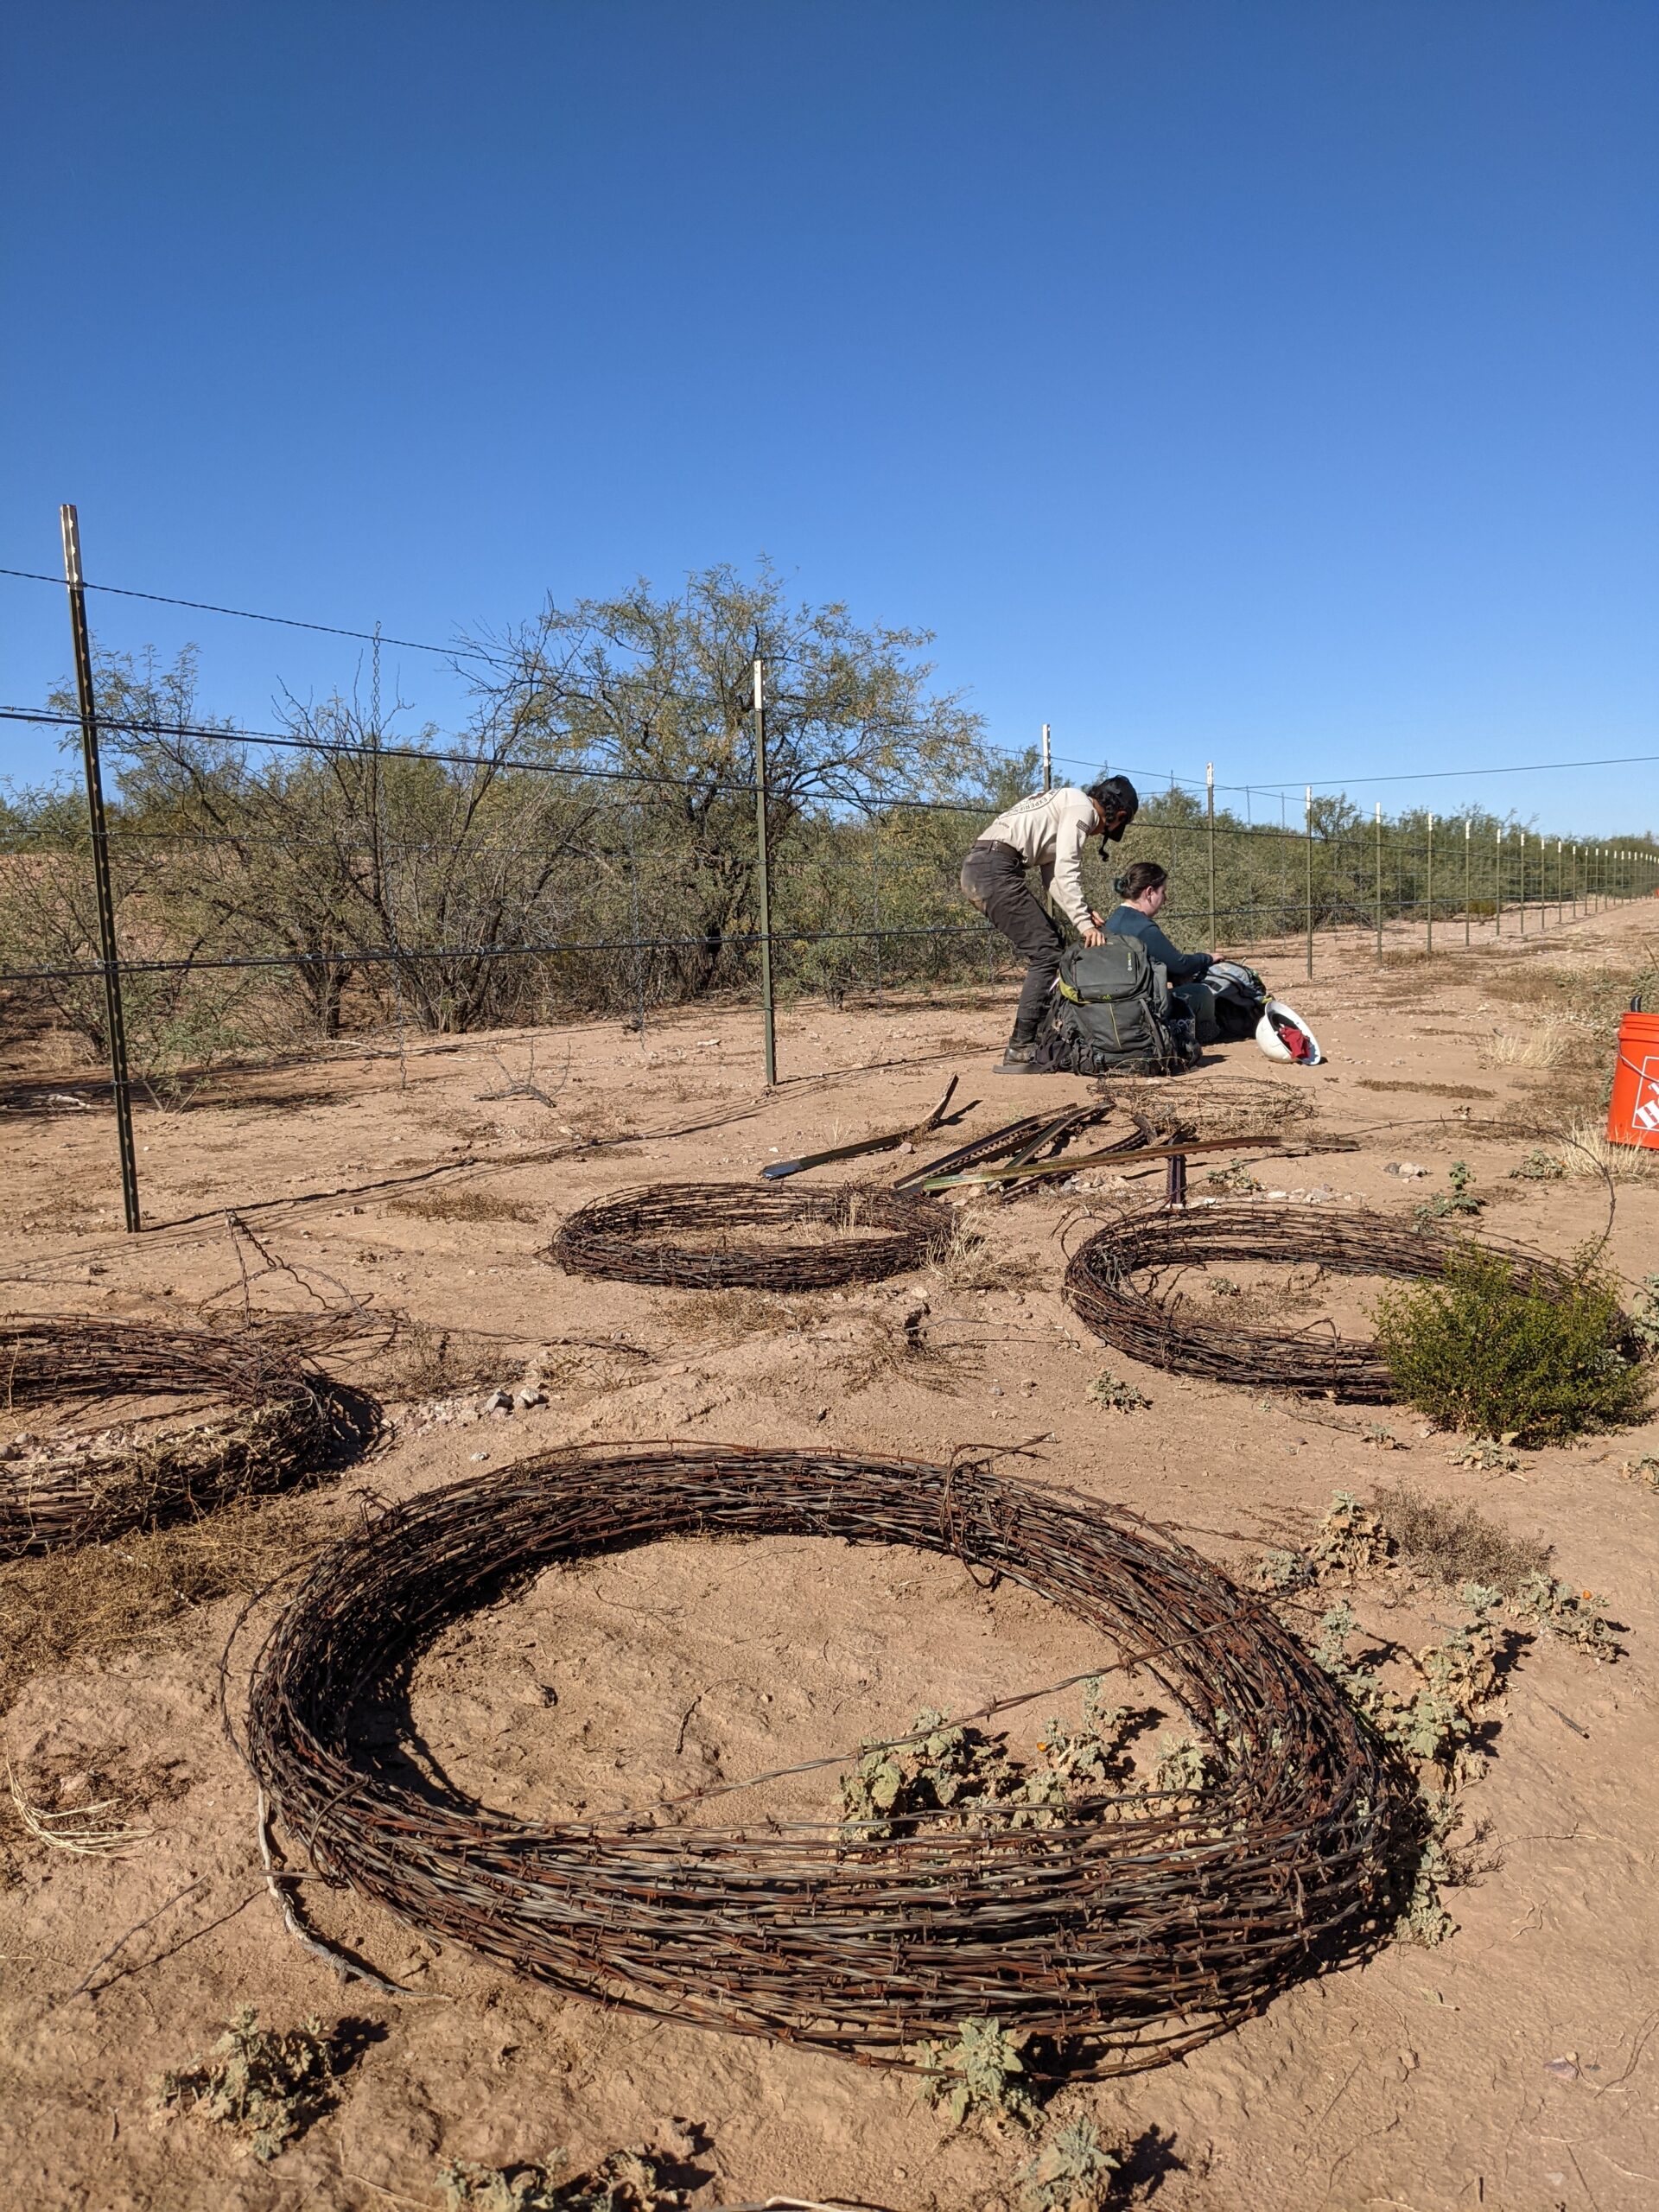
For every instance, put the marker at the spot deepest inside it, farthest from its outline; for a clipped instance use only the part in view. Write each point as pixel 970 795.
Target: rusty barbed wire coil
pixel 198 1416
pixel 632 1238
pixel 1115 1284
pixel 1143 1921
pixel 1201 1103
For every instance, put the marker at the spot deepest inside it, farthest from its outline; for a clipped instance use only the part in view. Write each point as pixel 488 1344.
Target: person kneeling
pixel 1143 888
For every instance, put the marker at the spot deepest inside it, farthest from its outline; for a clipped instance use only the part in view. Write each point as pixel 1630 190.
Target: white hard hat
pixel 1276 1016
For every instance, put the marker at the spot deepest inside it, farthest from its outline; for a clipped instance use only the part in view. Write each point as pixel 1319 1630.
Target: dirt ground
pixel 1512 2066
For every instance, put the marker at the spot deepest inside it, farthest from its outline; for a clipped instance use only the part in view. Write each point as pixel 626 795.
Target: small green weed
pixel 1073 2172
pixel 1352 1538
pixel 1426 1920
pixel 1644 1469
pixel 1455 1680
pixel 1185 1766
pixel 1539 1166
pixel 953 1774
pixel 269 2084
pixel 1479 1351
pixel 1459 1199
pixel 623 2180
pixel 1574 1615
pixel 979 2076
pixel 1644 1315
pixel 1108 1389
pixel 1283 1570
pixel 1490 1458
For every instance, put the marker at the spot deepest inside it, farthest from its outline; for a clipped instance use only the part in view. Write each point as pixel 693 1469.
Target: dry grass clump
pixel 1210 1105
pixel 1424 1090
pixel 464 1205
pixel 89 1831
pixel 1454 1544
pixel 427 1363
pixel 91 1604
pixel 1592 996
pixel 909 1353
pixel 733 1316
pixel 1551 1044
pixel 1585 1150
pixel 968 1261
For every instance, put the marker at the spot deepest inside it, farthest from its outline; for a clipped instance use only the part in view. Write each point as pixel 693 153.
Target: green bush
pixel 1477 1350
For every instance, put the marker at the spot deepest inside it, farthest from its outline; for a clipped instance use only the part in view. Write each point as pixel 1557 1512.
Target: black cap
pixel 1119 801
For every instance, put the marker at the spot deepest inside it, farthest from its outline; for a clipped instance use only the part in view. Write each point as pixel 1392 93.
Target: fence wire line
pixel 1360 920
pixel 475 652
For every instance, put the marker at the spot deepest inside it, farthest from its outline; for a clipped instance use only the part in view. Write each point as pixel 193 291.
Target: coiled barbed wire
pixel 630 1238
pixel 247 1412
pixel 1115 1283
pixel 1143 1920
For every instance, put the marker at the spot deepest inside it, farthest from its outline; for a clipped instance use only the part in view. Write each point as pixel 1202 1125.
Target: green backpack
pixel 1113 1014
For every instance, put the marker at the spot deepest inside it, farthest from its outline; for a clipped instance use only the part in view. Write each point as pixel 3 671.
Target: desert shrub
pixel 1479 1351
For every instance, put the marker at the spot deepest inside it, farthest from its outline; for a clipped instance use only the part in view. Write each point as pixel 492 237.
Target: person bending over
pixel 1046 831
pixel 1143 888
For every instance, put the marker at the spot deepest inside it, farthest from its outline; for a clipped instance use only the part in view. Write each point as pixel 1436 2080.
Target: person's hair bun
pixel 1121 885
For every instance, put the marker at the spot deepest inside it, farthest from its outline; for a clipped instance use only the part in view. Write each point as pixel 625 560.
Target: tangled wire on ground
pixel 1205 1105
pixel 284 1420
pixel 627 1239
pixel 1160 1329
pixel 1145 1919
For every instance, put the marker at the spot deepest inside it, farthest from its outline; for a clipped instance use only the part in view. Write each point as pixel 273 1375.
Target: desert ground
pixel 1512 2066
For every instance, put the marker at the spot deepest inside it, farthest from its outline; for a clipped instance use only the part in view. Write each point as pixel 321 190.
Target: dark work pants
pixel 994 878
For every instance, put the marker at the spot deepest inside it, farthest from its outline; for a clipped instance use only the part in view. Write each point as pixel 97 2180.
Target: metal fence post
pixel 1379 879
pixel 1307 803
pixel 1430 947
pixel 1468 850
pixel 768 1010
pixel 1522 836
pixel 114 1013
pixel 1210 808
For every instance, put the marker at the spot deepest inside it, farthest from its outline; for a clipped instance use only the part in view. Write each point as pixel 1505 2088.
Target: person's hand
pixel 1099 920
pixel 1094 936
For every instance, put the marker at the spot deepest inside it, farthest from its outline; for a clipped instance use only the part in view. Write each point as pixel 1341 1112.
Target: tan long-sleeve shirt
pixel 1049 831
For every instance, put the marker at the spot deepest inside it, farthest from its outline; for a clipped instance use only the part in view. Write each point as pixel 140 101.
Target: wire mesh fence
pixel 616 830
pixel 268 898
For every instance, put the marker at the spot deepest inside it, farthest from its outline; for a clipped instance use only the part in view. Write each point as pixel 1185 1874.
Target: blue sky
pixel 1269 383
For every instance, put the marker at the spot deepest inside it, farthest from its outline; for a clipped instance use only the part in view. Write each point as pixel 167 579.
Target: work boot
pixel 1019 1059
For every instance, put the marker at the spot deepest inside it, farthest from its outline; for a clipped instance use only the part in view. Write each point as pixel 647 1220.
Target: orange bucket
pixel 1633 1110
